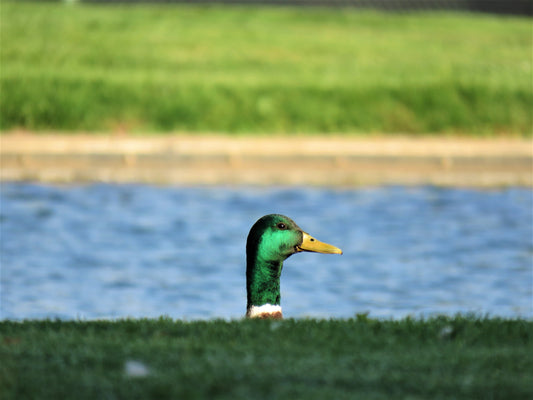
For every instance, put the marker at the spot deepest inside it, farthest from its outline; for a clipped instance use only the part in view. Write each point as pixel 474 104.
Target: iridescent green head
pixel 272 239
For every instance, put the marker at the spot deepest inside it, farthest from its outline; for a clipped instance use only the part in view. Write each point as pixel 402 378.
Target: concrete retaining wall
pixel 199 160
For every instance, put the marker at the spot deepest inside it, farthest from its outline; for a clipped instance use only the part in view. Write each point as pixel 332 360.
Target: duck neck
pixel 263 287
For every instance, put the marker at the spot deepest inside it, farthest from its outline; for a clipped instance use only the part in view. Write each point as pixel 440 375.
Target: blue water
pixel 114 251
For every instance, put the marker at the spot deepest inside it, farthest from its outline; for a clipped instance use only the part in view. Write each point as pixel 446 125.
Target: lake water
pixel 115 251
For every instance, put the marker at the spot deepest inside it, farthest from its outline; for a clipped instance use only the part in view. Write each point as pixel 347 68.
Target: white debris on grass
pixel 447 332
pixel 136 369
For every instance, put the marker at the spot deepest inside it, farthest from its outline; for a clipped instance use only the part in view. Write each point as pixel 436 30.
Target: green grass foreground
pixel 262 69
pixel 362 358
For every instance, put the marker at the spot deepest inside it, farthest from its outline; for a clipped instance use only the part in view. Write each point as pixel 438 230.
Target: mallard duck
pixel 272 239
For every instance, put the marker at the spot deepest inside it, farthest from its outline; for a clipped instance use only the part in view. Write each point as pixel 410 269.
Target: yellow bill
pixel 309 243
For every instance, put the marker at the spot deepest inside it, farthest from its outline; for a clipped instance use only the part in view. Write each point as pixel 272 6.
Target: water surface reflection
pixel 143 251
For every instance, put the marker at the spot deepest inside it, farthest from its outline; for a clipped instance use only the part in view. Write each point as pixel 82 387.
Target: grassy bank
pixel 313 359
pixel 260 69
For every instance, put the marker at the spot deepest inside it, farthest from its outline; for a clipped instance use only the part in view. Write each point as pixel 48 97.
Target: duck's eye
pixel 281 225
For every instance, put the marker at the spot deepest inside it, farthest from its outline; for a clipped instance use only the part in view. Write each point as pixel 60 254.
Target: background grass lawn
pixel 262 69
pixel 438 358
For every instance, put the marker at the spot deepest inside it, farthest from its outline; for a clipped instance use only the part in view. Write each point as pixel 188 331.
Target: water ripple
pixel 103 251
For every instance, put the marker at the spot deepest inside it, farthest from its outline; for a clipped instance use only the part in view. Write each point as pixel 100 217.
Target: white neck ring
pixel 257 311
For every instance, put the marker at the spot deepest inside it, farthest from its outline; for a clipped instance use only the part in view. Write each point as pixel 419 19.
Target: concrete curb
pixel 295 160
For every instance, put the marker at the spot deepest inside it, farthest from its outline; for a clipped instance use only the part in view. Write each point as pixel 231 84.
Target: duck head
pixel 272 239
